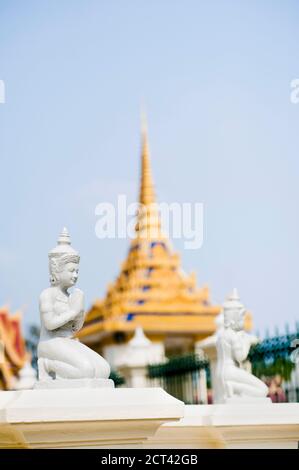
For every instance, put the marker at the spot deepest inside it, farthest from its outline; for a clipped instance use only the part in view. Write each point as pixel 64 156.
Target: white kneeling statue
pixel 62 360
pixel 233 345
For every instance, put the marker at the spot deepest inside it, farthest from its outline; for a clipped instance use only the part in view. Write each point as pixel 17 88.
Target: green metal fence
pixel 273 360
pixel 186 378
pixel 117 378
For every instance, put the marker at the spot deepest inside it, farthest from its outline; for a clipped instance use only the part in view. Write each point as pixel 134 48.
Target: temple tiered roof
pixel 151 291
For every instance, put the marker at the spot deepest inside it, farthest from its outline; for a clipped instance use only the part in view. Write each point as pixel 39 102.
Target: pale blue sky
pixel 215 77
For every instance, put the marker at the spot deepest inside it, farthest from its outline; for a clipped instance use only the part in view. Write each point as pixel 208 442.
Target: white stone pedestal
pixel 78 418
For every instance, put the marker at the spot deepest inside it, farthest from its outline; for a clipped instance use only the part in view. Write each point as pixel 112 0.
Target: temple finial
pixel 143 120
pixel 147 193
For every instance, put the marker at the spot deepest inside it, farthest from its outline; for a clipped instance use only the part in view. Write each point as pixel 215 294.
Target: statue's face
pixel 240 323
pixel 237 319
pixel 240 319
pixel 69 275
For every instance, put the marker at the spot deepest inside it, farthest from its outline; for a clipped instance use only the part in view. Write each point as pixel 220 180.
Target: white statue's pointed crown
pixel 63 245
pixel 233 301
pixel 64 238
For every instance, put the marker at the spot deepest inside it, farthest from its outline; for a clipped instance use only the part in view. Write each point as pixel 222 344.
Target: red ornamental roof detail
pixel 11 335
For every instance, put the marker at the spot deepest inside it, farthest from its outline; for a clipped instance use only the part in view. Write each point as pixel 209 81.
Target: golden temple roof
pixel 151 290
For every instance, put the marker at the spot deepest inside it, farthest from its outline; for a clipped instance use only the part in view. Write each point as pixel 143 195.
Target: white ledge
pixel 273 425
pixel 84 417
pixel 140 418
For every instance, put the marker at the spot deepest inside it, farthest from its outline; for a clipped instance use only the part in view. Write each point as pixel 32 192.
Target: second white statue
pixel 233 345
pixel 62 360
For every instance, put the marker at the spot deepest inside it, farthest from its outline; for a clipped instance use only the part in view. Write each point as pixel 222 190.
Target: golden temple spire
pixel 147 192
pixel 148 220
